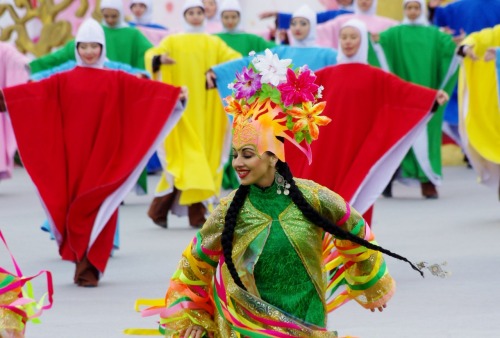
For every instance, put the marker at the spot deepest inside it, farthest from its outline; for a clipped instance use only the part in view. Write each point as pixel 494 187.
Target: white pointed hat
pixel 230 5
pixel 90 31
pixel 191 4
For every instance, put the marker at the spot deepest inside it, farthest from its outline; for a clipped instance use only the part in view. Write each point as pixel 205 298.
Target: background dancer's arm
pixel 442 97
pixel 157 56
pixel 2 103
pixel 54 59
pixel 211 79
pixel 479 45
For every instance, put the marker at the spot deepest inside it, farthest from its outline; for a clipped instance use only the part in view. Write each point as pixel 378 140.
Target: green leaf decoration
pixel 308 137
pixel 270 92
pixel 289 122
pixel 264 91
pixel 252 100
pixel 299 137
pixel 276 97
pixel 266 87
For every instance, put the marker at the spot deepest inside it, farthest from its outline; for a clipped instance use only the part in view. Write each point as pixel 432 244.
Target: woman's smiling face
pixel 253 168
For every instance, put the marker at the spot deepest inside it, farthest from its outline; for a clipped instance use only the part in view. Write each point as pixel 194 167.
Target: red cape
pixel 375 117
pixel 84 137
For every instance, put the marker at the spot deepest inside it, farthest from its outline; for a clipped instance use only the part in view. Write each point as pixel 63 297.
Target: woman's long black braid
pixel 309 212
pixel 314 217
pixel 228 232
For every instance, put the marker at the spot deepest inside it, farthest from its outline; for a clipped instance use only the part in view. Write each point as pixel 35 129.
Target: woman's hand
pixel 184 93
pixel 447 30
pixel 211 77
pixel 3 108
pixel 194 331
pixel 456 38
pixel 469 52
pixel 166 60
pixel 375 37
pixel 459 38
pixel 442 97
pixel 380 308
pixel 490 55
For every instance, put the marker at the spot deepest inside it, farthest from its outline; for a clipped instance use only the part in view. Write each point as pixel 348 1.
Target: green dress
pixel 422 55
pixel 279 260
pixel 244 43
pixel 373 58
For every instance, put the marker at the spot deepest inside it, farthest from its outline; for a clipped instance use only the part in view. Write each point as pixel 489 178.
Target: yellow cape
pixel 479 116
pixel 193 151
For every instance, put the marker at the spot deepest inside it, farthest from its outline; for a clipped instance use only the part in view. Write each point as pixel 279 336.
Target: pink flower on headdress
pixel 247 83
pixel 308 117
pixel 298 89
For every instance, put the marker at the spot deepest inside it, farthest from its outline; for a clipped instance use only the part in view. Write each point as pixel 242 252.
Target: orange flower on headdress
pixel 236 109
pixel 308 116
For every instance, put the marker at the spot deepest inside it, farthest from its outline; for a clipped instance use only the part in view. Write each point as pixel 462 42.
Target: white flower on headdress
pixel 230 86
pixel 305 68
pixel 320 92
pixel 271 68
pixel 252 53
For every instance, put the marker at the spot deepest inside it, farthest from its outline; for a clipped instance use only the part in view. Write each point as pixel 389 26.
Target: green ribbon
pixel 202 254
pixel 370 283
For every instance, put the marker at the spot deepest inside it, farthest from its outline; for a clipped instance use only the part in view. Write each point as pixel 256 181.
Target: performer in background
pixel 364 10
pixel 13 70
pixel 432 68
pixel 479 102
pixel 84 136
pixel 142 13
pixel 303 50
pixel 212 13
pixel 125 44
pixel 377 118
pixel 193 155
pixel 460 19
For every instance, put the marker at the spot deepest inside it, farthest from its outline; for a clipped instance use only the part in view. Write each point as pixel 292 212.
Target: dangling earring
pixel 281 183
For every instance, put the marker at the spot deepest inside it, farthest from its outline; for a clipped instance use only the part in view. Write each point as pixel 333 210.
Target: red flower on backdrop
pixel 298 89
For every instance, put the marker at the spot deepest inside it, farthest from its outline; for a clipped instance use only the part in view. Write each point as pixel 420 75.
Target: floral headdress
pixel 271 100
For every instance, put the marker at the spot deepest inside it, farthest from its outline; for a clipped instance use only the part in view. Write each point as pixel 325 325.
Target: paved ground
pixel 461 228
